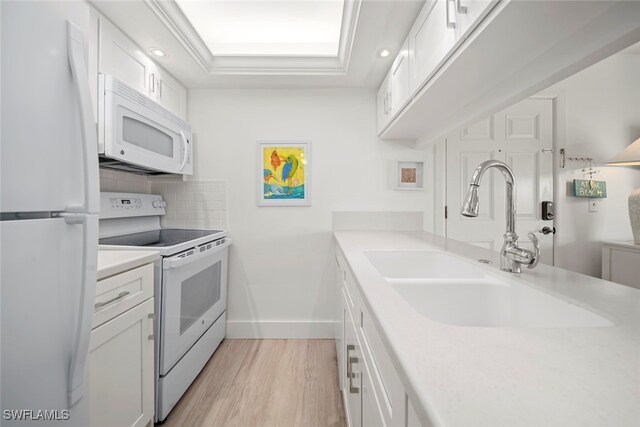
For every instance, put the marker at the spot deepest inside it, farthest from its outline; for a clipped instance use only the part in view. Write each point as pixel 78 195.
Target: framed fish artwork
pixel 284 176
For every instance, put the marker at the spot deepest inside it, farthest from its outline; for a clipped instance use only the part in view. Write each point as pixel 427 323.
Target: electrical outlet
pixel 594 205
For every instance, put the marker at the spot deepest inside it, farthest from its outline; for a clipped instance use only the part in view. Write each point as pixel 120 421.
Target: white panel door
pixel 522 137
pixel 41 142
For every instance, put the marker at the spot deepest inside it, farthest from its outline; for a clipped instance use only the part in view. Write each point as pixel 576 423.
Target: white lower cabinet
pixel 353 375
pixel 371 413
pixel 372 391
pixel 621 263
pixel 121 353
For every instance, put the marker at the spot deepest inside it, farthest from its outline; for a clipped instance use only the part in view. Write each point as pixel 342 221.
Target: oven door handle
pixel 179 260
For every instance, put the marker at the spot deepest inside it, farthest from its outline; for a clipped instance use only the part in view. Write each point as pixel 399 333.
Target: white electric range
pixel 190 287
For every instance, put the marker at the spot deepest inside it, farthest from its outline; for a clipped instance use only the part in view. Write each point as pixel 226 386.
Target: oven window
pixel 145 136
pixel 198 294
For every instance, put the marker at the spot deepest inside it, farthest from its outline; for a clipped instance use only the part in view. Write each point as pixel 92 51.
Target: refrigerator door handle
pixel 78 64
pixel 82 331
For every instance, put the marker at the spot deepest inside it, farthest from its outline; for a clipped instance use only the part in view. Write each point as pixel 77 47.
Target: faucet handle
pixel 536 247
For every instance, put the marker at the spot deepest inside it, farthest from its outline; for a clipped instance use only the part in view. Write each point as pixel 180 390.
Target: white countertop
pixel 115 262
pixel 493 376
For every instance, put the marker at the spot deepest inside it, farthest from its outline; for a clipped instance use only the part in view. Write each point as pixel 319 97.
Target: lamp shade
pixel 629 157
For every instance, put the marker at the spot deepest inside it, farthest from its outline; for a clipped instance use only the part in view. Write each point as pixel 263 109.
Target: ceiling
pixel 367 26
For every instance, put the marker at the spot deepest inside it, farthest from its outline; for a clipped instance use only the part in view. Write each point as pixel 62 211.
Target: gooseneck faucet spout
pixel 512 256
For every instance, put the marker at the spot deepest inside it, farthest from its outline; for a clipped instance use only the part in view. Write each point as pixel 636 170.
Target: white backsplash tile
pixel 111 180
pixel 378 221
pixel 193 204
pixel 190 204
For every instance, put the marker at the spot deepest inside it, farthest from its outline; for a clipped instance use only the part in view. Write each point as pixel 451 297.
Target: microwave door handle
pixel 185 146
pixel 77 63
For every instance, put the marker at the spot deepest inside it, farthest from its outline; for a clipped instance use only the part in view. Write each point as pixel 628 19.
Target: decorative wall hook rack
pixel 564 158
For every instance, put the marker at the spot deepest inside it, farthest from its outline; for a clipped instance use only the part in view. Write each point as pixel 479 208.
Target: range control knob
pixel 156 204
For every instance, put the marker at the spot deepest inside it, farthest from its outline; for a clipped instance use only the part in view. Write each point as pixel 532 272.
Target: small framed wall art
pixel 409 175
pixel 284 175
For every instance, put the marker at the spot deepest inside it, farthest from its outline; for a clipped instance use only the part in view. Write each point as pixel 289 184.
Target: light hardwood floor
pixel 264 383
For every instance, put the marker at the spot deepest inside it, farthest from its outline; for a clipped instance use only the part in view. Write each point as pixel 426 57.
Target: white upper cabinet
pixel 122 58
pixel 170 93
pixel 399 80
pixel 119 56
pixel 469 13
pixel 431 39
pixel 468 58
pixel 384 104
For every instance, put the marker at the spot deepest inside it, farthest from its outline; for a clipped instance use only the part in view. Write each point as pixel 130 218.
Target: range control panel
pixel 123 205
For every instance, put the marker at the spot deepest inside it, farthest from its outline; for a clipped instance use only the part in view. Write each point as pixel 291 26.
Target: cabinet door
pixel 371 412
pixel 122 58
pixel 121 369
pixel 430 40
pixel 384 104
pixel 399 80
pixel 412 416
pixel 340 324
pixel 470 13
pixel 171 94
pixel 353 375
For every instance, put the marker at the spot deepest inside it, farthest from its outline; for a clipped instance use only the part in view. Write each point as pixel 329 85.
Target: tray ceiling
pixel 264 36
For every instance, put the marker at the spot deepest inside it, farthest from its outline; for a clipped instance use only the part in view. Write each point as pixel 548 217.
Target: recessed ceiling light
pixel 384 52
pixel 157 52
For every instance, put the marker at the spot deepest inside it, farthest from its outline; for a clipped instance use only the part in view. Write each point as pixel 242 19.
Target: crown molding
pixel 180 27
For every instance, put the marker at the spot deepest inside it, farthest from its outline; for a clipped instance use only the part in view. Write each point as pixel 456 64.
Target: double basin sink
pixel 454 291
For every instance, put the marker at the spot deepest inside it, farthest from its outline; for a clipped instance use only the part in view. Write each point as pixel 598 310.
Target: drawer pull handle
pixel 152 317
pixel 114 299
pixel 350 374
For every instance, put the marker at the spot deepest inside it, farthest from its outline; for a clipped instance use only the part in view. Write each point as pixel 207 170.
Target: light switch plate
pixel 594 205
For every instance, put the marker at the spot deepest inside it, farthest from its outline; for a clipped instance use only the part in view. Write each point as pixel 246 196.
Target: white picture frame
pixel 409 175
pixel 274 186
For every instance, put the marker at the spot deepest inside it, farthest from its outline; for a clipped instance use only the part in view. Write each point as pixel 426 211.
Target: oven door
pixel 134 129
pixel 194 295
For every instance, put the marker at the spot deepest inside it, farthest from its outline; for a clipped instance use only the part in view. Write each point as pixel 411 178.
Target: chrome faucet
pixel 511 255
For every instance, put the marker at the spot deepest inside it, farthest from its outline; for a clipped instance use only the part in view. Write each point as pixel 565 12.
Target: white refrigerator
pixel 49 202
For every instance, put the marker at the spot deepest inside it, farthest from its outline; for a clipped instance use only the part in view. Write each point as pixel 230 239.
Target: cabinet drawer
pixel 119 293
pixel 384 378
pixel 348 282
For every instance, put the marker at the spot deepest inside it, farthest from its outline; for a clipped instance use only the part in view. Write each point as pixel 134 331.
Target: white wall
pixel 598 115
pixel 281 264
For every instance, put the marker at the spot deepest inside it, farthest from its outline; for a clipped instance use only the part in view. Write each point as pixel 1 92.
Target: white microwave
pixel 136 134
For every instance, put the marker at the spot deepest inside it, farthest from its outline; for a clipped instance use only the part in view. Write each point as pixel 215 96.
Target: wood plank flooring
pixel 264 383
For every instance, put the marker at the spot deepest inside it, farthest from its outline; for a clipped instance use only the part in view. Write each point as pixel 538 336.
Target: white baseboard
pixel 319 329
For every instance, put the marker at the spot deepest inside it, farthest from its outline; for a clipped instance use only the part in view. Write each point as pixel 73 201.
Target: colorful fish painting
pixel 275 160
